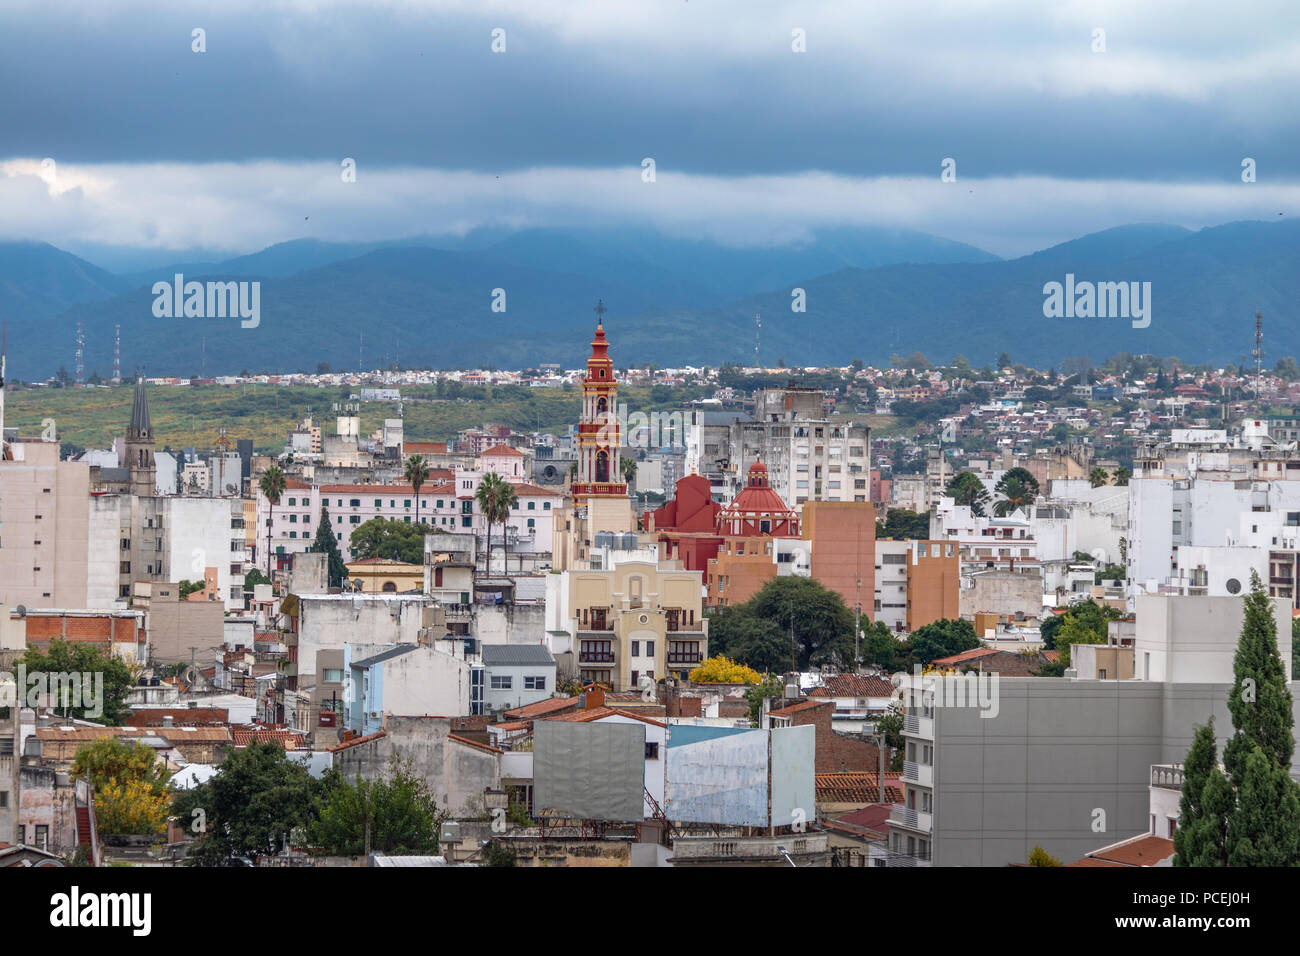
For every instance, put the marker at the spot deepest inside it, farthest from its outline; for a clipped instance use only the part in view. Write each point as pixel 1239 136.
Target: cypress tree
pixel 327 543
pixel 1265 829
pixel 1260 702
pixel 1201 816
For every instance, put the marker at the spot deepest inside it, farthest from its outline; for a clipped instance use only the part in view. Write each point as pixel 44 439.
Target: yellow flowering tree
pixel 133 806
pixel 723 670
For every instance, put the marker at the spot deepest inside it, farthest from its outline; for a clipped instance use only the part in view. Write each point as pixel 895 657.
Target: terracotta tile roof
pixel 424 448
pixel 525 490
pixel 854 685
pixel 371 489
pixel 1145 850
pixel 1090 861
pixel 502 450
pixel 358 740
pixel 474 743
pixel 173 735
pixel 288 739
pixel 596 713
pixel 510 726
pixel 856 787
pixel 868 818
pixel 802 705
pixel 551 705
pixel 964 656
pixel 188 716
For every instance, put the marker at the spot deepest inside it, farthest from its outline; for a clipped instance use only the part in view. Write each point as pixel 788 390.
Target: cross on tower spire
pixel 600 311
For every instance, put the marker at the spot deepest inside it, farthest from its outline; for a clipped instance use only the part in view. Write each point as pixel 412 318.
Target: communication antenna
pixel 117 355
pixel 1258 353
pixel 81 348
pixel 758 325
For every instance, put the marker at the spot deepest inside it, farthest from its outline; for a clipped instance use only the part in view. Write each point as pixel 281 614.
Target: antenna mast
pixel 758 325
pixel 117 355
pixel 1258 353
pixel 81 349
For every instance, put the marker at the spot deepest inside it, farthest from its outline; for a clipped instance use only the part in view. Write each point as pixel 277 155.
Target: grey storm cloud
pixel 148 135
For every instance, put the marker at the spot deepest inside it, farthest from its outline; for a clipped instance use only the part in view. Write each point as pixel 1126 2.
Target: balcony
pixel 918 773
pixel 905 860
pixel 917 726
pixel 595 657
pixel 911 819
pixel 690 657
pixel 1167 776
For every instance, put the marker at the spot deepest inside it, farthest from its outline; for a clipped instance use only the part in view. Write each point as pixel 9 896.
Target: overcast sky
pixel 232 149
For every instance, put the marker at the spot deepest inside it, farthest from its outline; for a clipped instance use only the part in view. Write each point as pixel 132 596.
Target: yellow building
pixel 642 618
pixel 385 576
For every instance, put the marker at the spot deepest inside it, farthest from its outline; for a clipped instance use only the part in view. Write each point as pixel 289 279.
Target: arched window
pixel 601 405
pixel 602 466
pixel 635 597
pixel 389 587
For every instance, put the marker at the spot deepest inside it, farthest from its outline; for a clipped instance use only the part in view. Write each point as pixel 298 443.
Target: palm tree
pixel 417 473
pixel 967 489
pixel 1122 475
pixel 272 487
pixel 628 467
pixel 1017 488
pixel 495 497
pixel 1098 477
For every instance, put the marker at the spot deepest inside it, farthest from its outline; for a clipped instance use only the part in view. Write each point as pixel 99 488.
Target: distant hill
pixel 869 294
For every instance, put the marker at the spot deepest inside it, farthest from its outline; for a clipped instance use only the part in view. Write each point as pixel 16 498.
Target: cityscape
pixel 445 461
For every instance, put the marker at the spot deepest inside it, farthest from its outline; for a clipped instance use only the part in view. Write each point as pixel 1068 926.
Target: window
pixel 406 503
pixel 42 836
pixel 353 502
pixel 379 502
pixel 636 648
pixel 532 506
pixel 354 519
pixel 535 683
pixel 333 675
pixel 292 502
pixel 649 648
pixel 652 750
pixel 4 799
pixel 502 682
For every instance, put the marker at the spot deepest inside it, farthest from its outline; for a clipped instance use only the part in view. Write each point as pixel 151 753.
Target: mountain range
pixel 868 294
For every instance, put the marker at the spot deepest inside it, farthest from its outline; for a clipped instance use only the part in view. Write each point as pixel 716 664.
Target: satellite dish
pixel 190 675
pixel 22 610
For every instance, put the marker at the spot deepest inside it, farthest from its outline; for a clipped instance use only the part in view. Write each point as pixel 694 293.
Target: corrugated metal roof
pixel 535 654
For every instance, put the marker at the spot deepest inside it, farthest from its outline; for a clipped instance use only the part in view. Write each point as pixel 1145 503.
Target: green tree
pixel 1260 702
pixel 903 525
pixel 822 625
pixel 627 466
pixel 881 648
pixel 966 489
pixel 1084 623
pixel 1040 857
pixel 495 497
pixel 389 539
pixel 1265 828
pixel 327 543
pixel 1122 476
pixel 1200 839
pixel 395 813
pixel 130 782
pixel 771 687
pixel 1098 477
pixel 189 587
pixel 272 486
pixel 252 805
pixel 748 639
pixel 1016 489
pixel 417 473
pixel 942 638
pixel 65 664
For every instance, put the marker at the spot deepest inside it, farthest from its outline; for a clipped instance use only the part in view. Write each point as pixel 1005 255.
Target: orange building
pixel 842 538
pixel 740 570
pixel 746 559
pixel 933 582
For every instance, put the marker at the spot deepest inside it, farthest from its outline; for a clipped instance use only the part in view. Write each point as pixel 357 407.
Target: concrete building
pixel 404 680
pixel 994 769
pixel 517 675
pixel 178 630
pixel 639 618
pixel 809 456
pixel 841 537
